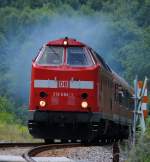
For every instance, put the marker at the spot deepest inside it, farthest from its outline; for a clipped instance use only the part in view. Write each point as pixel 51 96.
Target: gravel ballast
pixel 84 154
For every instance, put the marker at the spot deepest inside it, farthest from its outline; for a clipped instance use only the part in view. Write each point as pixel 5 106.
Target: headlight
pixel 65 42
pixel 84 105
pixel 42 103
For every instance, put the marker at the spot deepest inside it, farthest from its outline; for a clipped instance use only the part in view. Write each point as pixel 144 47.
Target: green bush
pixel 6 105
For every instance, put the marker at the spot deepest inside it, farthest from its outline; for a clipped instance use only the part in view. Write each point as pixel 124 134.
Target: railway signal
pixel 140 105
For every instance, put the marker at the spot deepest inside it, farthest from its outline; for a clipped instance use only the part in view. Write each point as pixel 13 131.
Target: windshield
pixel 76 56
pixel 51 56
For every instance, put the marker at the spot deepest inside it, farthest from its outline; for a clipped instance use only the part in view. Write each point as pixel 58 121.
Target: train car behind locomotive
pixel 75 95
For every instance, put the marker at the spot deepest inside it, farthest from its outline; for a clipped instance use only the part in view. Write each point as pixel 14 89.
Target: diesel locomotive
pixel 74 95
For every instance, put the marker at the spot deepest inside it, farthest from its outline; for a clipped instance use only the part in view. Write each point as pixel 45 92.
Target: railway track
pixel 34 151
pixel 29 156
pixel 36 148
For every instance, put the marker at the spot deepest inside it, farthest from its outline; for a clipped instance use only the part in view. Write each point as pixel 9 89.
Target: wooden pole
pixel 116 152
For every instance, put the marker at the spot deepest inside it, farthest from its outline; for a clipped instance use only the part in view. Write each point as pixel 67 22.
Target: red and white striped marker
pixel 144 98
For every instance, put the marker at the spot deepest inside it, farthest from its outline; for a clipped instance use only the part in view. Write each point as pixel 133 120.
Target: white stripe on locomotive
pixel 45 84
pixel 54 84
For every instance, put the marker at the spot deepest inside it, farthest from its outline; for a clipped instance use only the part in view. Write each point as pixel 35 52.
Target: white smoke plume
pixel 94 31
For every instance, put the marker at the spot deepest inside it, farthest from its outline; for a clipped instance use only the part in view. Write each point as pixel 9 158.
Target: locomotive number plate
pixel 62 94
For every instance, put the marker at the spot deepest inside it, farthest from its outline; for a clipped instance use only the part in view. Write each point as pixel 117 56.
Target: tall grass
pixel 12 131
pixel 141 151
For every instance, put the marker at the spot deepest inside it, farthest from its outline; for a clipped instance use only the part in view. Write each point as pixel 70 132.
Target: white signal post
pixel 140 105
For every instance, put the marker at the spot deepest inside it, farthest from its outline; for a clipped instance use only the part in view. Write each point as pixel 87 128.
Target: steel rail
pixel 20 144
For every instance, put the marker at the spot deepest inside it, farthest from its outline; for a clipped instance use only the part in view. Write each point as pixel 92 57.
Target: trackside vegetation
pixel 141 151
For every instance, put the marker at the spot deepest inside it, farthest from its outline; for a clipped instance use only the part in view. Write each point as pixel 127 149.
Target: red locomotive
pixel 76 95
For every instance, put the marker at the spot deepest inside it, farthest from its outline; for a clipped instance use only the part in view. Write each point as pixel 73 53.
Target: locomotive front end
pixel 64 93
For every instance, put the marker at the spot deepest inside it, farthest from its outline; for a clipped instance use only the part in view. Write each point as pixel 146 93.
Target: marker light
pixel 84 105
pixel 65 42
pixel 43 94
pixel 42 103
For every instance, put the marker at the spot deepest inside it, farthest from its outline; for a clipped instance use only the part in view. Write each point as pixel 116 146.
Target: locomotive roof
pixel 70 42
